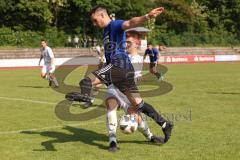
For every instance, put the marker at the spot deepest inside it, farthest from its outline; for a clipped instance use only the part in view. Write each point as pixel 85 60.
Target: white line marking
pixel 35 101
pixel 44 128
pixel 27 100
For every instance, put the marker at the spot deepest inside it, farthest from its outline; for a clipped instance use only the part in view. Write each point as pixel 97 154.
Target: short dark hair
pixel 97 8
pixel 43 40
pixel 133 33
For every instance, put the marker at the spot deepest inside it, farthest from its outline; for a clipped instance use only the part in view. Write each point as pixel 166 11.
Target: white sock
pixel 144 129
pixel 47 77
pixel 112 124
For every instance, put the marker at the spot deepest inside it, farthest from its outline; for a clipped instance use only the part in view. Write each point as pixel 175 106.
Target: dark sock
pixel 86 86
pixel 157 75
pixel 54 80
pixel 148 110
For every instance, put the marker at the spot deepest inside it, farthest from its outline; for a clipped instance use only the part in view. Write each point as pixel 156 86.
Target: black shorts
pixel 103 74
pixel 121 78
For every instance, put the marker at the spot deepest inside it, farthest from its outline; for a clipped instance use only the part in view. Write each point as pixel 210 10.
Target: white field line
pixel 27 100
pixel 44 128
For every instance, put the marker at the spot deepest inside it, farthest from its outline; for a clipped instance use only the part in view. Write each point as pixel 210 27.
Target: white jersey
pixel 137 62
pixel 47 54
pixel 113 92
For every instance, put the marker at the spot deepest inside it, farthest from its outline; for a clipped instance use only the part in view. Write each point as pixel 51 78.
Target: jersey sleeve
pixel 50 52
pixel 155 51
pixel 117 25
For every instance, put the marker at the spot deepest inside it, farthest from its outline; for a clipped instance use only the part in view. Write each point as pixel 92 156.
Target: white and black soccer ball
pixel 128 123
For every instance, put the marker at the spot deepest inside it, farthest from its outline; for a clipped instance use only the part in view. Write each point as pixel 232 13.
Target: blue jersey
pixel 114 45
pixel 153 54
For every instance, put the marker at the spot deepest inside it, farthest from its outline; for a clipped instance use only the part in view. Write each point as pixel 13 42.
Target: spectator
pixel 76 42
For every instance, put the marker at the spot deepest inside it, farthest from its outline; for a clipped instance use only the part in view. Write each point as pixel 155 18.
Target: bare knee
pixel 111 104
pixel 134 98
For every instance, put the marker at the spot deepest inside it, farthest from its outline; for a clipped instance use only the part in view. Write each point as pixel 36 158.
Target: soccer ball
pixel 128 123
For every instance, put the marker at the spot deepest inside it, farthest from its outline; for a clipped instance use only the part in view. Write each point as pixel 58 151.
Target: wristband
pixel 147 16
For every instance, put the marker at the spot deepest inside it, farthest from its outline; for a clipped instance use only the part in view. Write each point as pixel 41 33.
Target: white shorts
pixel 123 102
pixel 48 69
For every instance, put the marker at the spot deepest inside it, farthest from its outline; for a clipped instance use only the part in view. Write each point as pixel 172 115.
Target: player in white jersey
pixel 48 67
pixel 115 98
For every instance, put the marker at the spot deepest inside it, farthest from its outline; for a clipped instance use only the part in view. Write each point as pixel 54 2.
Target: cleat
pixel 155 139
pixel 167 130
pixel 76 96
pixel 87 104
pixel 112 147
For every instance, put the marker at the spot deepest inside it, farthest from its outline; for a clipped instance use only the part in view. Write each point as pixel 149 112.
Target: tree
pixel 56 6
pixel 26 14
pixel 178 16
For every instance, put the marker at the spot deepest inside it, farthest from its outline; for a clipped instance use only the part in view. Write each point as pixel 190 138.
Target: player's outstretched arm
pixel 136 21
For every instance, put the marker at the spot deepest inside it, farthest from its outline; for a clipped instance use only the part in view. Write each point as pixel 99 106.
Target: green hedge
pixel 9 37
pixel 55 38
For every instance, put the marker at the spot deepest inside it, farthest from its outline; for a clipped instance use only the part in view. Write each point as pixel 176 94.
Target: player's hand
pixel 155 12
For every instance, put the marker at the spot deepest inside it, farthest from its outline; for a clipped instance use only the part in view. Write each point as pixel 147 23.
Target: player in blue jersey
pixel 154 56
pixel 118 69
pixel 116 99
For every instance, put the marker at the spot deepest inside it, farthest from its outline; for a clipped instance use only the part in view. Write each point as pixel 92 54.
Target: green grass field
pixel 204 105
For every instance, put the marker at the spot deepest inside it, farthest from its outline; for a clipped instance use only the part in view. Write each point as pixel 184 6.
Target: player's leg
pixel 150 68
pixel 142 124
pixel 95 91
pixel 52 77
pixel 86 85
pixel 124 81
pixel 111 118
pixel 129 88
pixel 97 77
pixel 126 106
pixel 149 110
pixel 144 129
pixel 153 70
pixel 44 72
